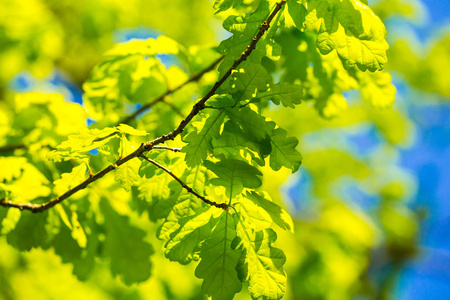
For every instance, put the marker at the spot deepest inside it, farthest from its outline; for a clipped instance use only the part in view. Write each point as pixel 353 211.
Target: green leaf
pixel 234 175
pixel 223 5
pixel 244 28
pixel 332 106
pixel 233 143
pixel 110 152
pixel 271 139
pixel 46 118
pixel 129 73
pixel 34 228
pixel 199 140
pixel 30 184
pixel 218 261
pixel 86 140
pixel 284 92
pixel 125 245
pixel 3 213
pixel 70 180
pixel 78 233
pixel 65 155
pixel 297 13
pixel 167 158
pixel 186 204
pixel 297 48
pixel 183 245
pixel 260 264
pixel 147 169
pixel 377 89
pixel 251 122
pixel 284 153
pixel 124 128
pixel 159 193
pixel 221 101
pixel 357 34
pixel 12 167
pixel 68 249
pixel 148 47
pixel 250 81
pixel 128 173
pixel 259 204
pixel 10 220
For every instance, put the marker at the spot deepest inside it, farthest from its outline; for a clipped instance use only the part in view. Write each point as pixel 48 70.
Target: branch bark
pixel 8 148
pixel 167 148
pixel 145 147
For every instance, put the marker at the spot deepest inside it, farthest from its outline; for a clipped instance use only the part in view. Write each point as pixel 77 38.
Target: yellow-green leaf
pixel 357 34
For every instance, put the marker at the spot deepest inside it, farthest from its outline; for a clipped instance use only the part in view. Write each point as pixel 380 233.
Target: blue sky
pixel 428 277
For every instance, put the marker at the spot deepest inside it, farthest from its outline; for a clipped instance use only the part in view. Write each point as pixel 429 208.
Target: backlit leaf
pixel 199 141
pixel 261 264
pixel 218 261
pixel 271 139
pixel 186 205
pixel 357 34
pixel 377 89
pixel 130 130
pixel 183 245
pixel 262 204
pixel 127 174
pixel 287 94
pixel 70 180
pixel 124 244
pixel 250 81
pixel 234 175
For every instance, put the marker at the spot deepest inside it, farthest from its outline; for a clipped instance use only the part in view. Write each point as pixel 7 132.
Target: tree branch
pixel 145 147
pixel 8 148
pixel 193 78
pixel 167 148
pixel 172 106
pixel 223 206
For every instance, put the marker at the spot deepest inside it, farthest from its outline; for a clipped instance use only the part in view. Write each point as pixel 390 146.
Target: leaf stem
pixel 223 206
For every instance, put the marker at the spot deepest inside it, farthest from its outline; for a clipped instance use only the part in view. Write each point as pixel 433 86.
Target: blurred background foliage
pixel 369 202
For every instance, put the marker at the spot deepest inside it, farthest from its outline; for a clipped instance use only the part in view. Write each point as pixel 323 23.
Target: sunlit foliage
pixel 295 93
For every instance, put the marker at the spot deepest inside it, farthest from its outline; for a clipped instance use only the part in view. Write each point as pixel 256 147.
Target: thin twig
pixel 173 107
pixel 8 148
pixel 193 78
pixel 145 147
pixel 167 148
pixel 161 98
pixel 223 206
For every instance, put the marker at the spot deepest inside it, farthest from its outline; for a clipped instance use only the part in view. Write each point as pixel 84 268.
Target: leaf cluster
pixel 204 184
